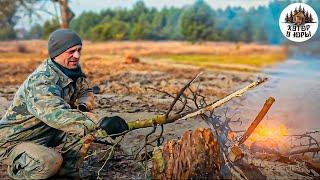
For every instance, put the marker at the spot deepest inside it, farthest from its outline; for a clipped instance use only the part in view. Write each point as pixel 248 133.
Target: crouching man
pixel 48 128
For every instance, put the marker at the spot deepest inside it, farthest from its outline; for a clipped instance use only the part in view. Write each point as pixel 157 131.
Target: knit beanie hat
pixel 62 39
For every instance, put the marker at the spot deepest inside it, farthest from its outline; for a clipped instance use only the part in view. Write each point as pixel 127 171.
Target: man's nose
pixel 76 54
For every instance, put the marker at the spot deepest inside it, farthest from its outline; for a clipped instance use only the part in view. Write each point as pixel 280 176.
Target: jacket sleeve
pixel 45 103
pixel 85 95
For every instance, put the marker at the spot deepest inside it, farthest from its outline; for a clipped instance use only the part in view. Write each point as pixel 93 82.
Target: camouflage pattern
pixel 44 109
pixel 32 161
pixel 63 157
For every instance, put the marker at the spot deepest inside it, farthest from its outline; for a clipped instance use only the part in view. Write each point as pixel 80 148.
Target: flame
pixel 271 135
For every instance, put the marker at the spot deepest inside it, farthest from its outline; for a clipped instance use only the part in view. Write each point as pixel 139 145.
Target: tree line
pixel 197 22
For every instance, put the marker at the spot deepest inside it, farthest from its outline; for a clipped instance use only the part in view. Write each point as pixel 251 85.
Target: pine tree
pixel 196 22
pixel 307 17
pixel 287 18
pixel 291 17
pixel 311 18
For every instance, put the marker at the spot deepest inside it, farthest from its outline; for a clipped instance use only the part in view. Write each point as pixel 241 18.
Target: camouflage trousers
pixel 56 154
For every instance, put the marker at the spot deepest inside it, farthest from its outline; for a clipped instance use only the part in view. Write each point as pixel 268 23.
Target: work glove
pixel 83 108
pixel 113 125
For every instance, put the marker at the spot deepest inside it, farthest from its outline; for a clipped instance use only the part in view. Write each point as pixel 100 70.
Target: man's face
pixel 70 58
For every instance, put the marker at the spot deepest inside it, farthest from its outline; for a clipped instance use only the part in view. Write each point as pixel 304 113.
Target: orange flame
pixel 269 134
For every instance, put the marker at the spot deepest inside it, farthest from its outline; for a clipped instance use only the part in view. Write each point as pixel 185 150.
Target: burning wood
pixel 257 120
pixel 269 137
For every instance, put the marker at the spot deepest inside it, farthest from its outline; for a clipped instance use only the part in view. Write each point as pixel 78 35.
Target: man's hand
pixel 113 125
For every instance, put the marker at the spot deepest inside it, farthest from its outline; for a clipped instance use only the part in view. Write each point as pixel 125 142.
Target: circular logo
pixel 298 22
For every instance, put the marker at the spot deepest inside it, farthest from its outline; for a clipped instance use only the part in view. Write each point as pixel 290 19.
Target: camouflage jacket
pixel 47 100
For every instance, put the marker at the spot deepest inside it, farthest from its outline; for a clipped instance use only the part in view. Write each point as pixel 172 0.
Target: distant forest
pixel 197 22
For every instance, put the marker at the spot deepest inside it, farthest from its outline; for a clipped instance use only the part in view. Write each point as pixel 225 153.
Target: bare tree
pixel 65 12
pixel 11 8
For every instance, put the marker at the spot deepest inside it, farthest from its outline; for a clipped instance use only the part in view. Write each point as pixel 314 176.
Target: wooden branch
pixel 161 119
pixel 302 151
pixel 257 120
pixel 179 94
pixel 168 94
pixel 306 135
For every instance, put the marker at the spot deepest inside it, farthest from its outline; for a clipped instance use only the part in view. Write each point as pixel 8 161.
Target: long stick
pixel 158 120
pixel 257 120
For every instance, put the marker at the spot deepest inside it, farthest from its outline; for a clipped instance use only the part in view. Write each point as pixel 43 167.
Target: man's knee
pixel 32 161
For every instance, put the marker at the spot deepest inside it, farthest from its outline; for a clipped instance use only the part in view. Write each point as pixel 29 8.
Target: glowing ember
pixel 268 137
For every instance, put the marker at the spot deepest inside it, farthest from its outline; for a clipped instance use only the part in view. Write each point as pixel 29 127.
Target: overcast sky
pixel 78 6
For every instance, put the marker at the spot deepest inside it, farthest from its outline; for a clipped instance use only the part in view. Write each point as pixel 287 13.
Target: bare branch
pixel 179 94
pixel 163 120
pixel 303 151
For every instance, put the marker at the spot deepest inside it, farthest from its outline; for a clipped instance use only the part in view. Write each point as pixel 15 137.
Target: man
pixel 48 128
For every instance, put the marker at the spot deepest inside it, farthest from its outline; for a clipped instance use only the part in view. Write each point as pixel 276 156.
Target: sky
pixel 79 6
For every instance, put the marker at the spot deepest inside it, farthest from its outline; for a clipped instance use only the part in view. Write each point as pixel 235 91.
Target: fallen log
pixel 162 119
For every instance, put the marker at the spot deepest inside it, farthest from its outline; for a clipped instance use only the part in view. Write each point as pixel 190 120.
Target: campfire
pixel 264 150
pixel 270 137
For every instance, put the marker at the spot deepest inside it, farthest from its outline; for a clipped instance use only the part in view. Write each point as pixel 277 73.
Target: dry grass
pixel 147 48
pixel 20 58
pixel 249 61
